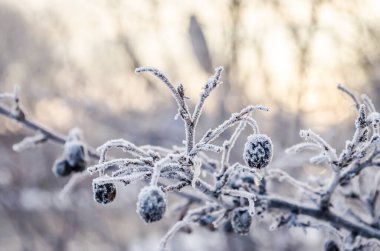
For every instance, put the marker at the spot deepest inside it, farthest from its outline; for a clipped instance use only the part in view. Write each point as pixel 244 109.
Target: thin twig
pixel 49 134
pixel 350 94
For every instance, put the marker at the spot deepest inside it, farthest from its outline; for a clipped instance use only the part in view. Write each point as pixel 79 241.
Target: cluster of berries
pixel 258 152
pixel 151 205
pixel 74 157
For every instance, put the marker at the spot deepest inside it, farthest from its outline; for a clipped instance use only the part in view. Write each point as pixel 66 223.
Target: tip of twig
pixel 144 69
pixel 304 133
pixel 17 89
pixel 139 70
pixel 219 69
pixel 262 108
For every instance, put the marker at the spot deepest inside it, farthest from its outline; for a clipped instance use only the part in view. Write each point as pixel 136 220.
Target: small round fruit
pixel 80 166
pixel 75 154
pixel 61 168
pixel 151 204
pixel 241 220
pixel 104 193
pixel 227 227
pixel 258 151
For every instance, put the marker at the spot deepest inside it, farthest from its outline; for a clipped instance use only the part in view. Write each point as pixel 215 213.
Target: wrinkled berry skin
pixel 75 155
pixel 151 204
pixel 258 151
pixel 62 168
pixel 330 245
pixel 241 220
pixel 104 193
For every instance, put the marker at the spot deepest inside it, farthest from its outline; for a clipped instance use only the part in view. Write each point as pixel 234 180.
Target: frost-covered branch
pixel 350 94
pixel 211 135
pixel 179 96
pixel 224 192
pixel 318 214
pixel 48 134
pixel 211 84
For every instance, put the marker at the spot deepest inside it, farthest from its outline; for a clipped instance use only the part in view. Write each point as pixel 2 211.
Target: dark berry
pixel 75 155
pixel 104 193
pixel 80 166
pixel 258 151
pixel 151 204
pixel 241 220
pixel 331 245
pixel 61 168
pixel 227 227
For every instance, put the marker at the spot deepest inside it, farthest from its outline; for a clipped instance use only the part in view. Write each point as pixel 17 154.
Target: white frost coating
pixel 179 96
pixel 210 148
pixel 197 173
pixel 124 145
pixel 211 84
pixel 75 134
pixel 125 179
pixel 157 170
pixel 251 197
pixel 121 163
pixel 131 169
pixel 256 173
pixel 211 135
pixel 374 118
pixel 70 185
pixel 191 217
pixel 11 95
pixel 258 151
pixel 75 151
pixel 6 95
pixel 319 159
pixel 315 138
pixel 282 175
pixel 29 142
pixel 368 103
pixel 170 234
pixel 180 167
pixel 227 146
pixel 151 204
pixel 304 146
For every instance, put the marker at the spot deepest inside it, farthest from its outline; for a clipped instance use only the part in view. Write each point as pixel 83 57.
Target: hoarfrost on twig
pixel 29 142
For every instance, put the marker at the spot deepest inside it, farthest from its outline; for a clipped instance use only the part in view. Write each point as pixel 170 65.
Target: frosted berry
pixel 104 193
pixel 227 227
pixel 79 166
pixel 151 204
pixel 241 220
pixel 75 155
pixel 61 168
pixel 258 151
pixel 331 245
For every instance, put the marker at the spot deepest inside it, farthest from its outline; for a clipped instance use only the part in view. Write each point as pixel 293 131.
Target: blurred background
pixel 75 61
